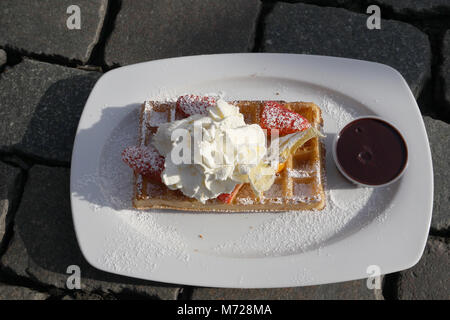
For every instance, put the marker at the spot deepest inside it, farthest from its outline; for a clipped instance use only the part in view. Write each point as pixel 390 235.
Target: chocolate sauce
pixel 371 151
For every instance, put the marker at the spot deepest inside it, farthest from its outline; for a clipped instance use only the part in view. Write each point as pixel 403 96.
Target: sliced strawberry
pixel 190 104
pixel 275 116
pixel 227 197
pixel 144 160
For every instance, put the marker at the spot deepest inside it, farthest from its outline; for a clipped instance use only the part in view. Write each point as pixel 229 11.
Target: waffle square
pixel 298 187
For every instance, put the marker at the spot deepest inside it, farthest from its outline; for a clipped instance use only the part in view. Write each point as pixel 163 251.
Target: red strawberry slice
pixel 275 116
pixel 227 197
pixel 190 104
pixel 144 160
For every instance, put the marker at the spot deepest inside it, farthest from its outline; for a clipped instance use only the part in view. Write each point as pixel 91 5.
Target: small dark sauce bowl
pixel 371 152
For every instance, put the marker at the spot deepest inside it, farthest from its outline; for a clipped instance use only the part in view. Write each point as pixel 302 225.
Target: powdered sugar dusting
pixel 245 201
pixel 296 173
pixel 275 116
pixel 170 95
pixel 138 239
pixel 144 237
pixel 144 159
pixel 146 242
pixel 192 104
pixel 348 208
pixel 335 111
pixel 306 190
pixel 294 232
pixel 157 118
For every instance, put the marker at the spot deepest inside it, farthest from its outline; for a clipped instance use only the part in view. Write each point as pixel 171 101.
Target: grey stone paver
pixel 180 28
pixel 9 292
pixel 430 278
pixel 439 138
pixel 445 73
pixel 338 32
pixel 9 180
pixel 351 290
pixel 415 7
pixel 2 57
pixel 40 27
pixel 40 105
pixel 17 161
pixel 84 296
pixel 44 242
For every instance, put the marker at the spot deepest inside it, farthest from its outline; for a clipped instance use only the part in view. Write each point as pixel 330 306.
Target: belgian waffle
pixel 298 187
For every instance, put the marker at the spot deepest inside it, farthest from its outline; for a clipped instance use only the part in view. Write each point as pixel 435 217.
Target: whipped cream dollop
pixel 208 155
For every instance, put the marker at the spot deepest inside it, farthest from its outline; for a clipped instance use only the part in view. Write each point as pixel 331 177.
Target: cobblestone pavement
pixel 47 72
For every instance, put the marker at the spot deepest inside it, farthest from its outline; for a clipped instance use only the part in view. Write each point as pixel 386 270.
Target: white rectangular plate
pixel 360 227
